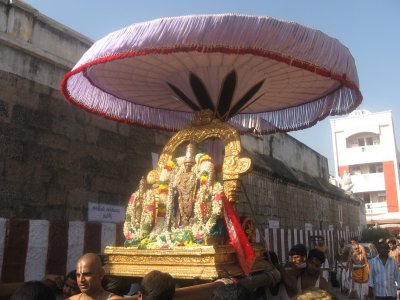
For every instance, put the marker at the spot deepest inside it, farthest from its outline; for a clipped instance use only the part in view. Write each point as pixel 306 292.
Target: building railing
pixel 364 154
pixel 376 208
pixel 368 182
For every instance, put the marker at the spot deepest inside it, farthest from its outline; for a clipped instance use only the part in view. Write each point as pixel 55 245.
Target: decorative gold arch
pixel 204 127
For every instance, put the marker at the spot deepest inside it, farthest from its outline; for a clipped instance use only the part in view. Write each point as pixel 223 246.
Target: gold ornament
pixel 202 128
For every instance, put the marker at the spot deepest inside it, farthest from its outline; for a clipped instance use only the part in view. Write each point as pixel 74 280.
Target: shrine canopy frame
pixel 258 73
pixel 202 129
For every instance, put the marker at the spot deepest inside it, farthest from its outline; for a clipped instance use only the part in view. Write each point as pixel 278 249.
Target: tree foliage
pixel 373 234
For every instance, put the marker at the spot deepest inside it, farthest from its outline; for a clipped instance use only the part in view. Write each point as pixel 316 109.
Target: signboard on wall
pixel 106 213
pixel 331 228
pixel 273 224
pixel 308 227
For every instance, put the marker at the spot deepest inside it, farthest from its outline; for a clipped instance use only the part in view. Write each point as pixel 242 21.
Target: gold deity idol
pixel 182 207
pixel 185 183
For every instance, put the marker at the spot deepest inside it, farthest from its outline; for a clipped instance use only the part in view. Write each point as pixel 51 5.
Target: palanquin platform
pixel 201 262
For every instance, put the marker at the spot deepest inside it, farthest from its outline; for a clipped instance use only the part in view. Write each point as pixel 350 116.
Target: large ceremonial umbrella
pixel 257 73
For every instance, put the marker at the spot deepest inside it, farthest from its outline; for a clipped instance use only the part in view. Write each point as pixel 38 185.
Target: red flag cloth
pixel 238 239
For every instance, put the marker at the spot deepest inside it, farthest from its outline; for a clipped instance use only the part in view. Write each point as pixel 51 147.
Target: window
pixel 375 168
pixel 366 168
pixel 362 139
pixel 355 170
pixel 382 197
pixel 366 197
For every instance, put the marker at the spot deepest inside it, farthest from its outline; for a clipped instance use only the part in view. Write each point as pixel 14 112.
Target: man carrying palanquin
pixel 89 274
pixel 319 243
pixel 309 277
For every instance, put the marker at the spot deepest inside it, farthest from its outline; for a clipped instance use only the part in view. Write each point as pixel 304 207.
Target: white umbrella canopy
pixel 257 73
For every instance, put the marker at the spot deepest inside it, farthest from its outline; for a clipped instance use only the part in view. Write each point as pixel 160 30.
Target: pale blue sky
pixel 369 28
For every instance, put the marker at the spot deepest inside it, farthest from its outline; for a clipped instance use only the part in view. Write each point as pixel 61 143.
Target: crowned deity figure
pixel 181 208
pixel 185 187
pixel 140 213
pixel 134 209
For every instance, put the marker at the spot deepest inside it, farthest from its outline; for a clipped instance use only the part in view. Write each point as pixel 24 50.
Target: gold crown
pixel 190 152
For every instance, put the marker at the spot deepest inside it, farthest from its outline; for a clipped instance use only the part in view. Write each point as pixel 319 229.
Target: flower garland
pixel 128 218
pixel 148 214
pixel 207 197
pixel 134 233
pixel 167 177
pixel 156 230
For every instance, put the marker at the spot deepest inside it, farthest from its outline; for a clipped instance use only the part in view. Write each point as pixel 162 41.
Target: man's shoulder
pixel 294 272
pixel 323 284
pixel 321 248
pixel 376 258
pixel 392 259
pixel 75 297
pixel 373 261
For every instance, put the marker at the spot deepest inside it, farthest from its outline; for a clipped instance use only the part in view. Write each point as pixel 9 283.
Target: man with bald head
pixel 89 274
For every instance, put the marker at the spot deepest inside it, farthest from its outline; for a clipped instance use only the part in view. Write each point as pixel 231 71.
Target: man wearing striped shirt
pixel 383 274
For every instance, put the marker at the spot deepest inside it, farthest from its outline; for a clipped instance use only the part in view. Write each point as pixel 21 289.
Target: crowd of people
pixel 304 276
pixel 304 272
pixel 379 276
pixel 88 281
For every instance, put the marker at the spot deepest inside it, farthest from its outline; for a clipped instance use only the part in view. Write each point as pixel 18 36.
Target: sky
pixel 369 28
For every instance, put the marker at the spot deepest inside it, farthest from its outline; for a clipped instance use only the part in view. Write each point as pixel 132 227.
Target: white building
pixel 364 146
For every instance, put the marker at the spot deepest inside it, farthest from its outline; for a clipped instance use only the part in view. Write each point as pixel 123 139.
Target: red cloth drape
pixel 238 239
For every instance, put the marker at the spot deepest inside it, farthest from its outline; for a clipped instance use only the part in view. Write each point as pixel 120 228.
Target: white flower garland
pixel 162 234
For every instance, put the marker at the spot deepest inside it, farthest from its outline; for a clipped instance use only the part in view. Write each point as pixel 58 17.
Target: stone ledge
pixel 13 42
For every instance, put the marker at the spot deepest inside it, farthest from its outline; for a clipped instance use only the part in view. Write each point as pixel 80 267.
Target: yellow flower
pixel 203 179
pixel 205 157
pixel 170 165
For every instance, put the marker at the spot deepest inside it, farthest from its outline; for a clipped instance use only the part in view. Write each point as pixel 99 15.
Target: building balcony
pixel 376 208
pixel 371 182
pixel 364 154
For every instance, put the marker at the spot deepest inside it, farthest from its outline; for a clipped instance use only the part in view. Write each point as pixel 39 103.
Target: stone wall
pixel 36 47
pixel 54 157
pixel 295 154
pixel 294 205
